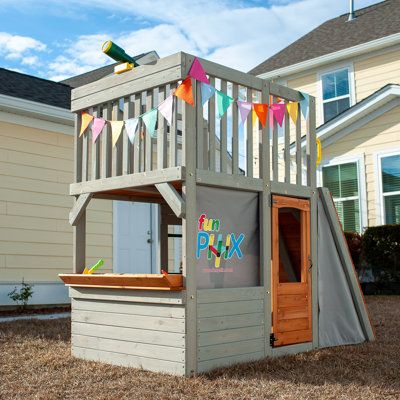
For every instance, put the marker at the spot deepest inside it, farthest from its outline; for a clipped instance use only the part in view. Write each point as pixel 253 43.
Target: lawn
pixel 35 363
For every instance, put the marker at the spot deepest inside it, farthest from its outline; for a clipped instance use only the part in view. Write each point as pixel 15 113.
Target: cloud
pixel 15 47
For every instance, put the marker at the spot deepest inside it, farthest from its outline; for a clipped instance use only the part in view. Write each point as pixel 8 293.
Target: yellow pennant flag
pixel 293 110
pixel 254 117
pixel 86 120
pixel 116 129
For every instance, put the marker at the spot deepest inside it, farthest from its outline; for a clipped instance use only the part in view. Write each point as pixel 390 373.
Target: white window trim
pixel 362 189
pixel 379 204
pixel 352 91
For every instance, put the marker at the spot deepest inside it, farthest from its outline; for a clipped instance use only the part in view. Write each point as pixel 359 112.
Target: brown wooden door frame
pixel 291 291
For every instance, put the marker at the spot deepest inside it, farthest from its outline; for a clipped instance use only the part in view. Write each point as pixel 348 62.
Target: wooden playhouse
pixel 246 197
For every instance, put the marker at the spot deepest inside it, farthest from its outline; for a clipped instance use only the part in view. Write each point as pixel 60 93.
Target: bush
pixel 21 296
pixel 354 241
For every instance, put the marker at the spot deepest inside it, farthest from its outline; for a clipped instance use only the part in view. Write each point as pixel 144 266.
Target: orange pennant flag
pixel 185 91
pixel 261 111
pixel 86 120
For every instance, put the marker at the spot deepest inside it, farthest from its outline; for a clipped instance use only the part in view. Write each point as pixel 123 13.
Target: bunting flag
pixel 293 110
pixel 261 110
pixel 206 92
pixel 254 117
pixel 86 120
pixel 150 119
pixel 278 111
pixel 244 109
pixel 304 104
pixel 130 126
pixel 165 108
pixel 223 103
pixel 197 72
pixel 97 127
pixel 185 91
pixel 116 129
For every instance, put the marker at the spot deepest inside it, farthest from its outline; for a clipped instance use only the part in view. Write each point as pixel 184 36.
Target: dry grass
pixel 35 363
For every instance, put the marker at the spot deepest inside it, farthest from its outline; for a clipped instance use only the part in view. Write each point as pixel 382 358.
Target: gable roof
pixel 371 23
pixel 35 89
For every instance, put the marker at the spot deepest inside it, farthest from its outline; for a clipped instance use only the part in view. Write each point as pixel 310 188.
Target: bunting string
pixel 184 91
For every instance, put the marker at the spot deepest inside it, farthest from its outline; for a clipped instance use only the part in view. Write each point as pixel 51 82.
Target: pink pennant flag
pixel 197 72
pixel 278 110
pixel 244 109
pixel 165 108
pixel 97 127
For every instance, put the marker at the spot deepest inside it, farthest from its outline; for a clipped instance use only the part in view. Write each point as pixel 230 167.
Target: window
pixel 390 170
pixel 335 93
pixel 342 181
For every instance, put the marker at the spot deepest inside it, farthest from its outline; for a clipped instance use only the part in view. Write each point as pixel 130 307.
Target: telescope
pixel 117 53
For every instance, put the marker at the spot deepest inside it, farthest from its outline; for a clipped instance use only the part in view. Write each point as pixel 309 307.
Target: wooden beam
pixel 79 244
pixel 128 181
pixel 173 198
pixel 79 208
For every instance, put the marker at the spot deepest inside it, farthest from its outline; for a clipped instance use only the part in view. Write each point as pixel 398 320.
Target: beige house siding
pixel 379 135
pixel 35 236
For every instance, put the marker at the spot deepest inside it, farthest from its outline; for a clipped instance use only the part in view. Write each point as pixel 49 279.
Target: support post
pixel 163 245
pixel 189 226
pixel 79 244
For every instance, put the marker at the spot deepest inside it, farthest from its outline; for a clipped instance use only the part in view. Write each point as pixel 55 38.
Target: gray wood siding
pixel 129 328
pixel 230 326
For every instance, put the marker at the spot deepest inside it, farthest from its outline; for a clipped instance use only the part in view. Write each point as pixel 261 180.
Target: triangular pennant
pixel 97 127
pixel 150 119
pixel 293 110
pixel 185 91
pixel 304 104
pixel 130 126
pixel 165 108
pixel 206 92
pixel 223 103
pixel 197 72
pixel 116 129
pixel 86 120
pixel 254 117
pixel 278 110
pixel 244 109
pixel 261 110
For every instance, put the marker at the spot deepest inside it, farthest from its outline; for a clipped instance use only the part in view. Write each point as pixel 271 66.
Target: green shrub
pixel 354 242
pixel 381 251
pixel 22 295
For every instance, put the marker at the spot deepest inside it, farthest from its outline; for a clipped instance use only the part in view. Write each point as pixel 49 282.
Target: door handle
pixel 149 240
pixel 311 264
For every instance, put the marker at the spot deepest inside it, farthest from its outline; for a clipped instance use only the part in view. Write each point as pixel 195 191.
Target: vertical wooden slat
pixel 117 149
pixel 235 132
pixel 95 152
pixel 299 178
pixel 162 134
pixel 223 134
pixel 138 140
pixel 200 146
pixel 275 171
pixel 211 127
pixel 148 139
pixel 311 147
pixel 85 152
pixel 173 132
pixel 249 143
pixel 106 144
pixel 126 144
pixel 79 244
pixel 287 146
pixel 78 148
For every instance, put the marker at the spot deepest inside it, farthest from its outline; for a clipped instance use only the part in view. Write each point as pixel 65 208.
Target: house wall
pixel 380 135
pixel 36 168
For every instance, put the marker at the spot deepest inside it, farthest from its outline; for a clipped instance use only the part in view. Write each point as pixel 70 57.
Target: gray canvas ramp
pixel 343 319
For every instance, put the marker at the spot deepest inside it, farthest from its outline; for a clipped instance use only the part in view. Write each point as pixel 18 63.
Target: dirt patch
pixel 35 363
pixel 34 311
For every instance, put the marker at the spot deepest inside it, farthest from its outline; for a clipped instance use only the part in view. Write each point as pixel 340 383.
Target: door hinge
pixel 272 339
pixel 271 200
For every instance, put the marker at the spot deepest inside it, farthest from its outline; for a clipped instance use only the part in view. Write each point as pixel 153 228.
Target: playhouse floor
pixel 35 363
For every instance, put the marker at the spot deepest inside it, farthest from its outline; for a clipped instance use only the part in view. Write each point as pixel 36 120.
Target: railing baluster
pixel 95 151
pixel 173 131
pixel 106 143
pixel 162 133
pixel 148 166
pixel 137 141
pixel 249 133
pixel 275 170
pixel 200 145
pixel 235 132
pixel 126 146
pixel 85 152
pixel 299 177
pixel 117 149
pixel 287 145
pixel 211 128
pixel 311 145
pixel 223 134
pixel 78 148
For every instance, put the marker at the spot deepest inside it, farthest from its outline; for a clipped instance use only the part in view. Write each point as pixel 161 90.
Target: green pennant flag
pixel 150 119
pixel 223 103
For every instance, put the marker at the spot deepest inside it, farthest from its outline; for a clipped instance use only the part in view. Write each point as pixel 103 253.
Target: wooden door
pixel 291 271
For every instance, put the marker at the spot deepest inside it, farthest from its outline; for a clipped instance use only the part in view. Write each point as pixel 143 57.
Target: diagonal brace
pixel 173 198
pixel 79 208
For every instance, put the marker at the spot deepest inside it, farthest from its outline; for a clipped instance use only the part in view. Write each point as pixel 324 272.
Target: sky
pixel 57 39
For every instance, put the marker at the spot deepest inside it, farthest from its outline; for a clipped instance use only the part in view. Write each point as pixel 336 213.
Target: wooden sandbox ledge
pixel 172 282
